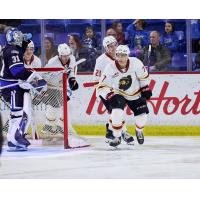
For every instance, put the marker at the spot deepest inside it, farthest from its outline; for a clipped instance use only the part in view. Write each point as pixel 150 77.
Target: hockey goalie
pixel 16 83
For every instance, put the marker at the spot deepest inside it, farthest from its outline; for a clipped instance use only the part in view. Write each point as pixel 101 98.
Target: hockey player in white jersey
pixel 122 83
pixel 110 45
pixel 54 117
pixel 31 60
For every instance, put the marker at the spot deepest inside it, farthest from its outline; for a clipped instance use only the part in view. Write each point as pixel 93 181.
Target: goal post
pixel 66 141
pixel 57 96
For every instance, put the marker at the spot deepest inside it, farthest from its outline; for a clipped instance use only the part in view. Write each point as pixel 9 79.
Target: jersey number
pixel 15 59
pixel 98 73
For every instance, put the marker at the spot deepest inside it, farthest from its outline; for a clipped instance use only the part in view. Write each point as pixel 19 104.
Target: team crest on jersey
pixel 125 83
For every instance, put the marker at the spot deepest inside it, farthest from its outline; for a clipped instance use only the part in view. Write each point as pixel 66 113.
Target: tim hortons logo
pixel 170 105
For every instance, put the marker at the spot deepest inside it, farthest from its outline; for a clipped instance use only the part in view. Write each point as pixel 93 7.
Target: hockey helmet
pixel 108 40
pixel 64 50
pixel 123 49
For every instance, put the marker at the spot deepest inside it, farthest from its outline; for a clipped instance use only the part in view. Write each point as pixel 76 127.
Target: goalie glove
pixel 73 83
pixel 36 82
pixel 146 92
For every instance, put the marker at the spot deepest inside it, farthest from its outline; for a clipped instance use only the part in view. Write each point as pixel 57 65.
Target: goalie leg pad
pixel 16 130
pixel 27 107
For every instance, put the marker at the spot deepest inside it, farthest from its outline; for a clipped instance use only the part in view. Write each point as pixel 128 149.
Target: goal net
pixel 50 123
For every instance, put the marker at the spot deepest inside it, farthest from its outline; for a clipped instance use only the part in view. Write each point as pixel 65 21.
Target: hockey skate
pixel 140 137
pixel 115 142
pixel 109 134
pixel 21 145
pixel 15 148
pixel 127 138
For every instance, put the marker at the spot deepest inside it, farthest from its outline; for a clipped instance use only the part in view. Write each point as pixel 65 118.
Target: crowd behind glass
pixel 175 44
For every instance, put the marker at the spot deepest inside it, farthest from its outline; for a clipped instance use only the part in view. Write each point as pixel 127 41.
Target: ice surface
pixel 159 157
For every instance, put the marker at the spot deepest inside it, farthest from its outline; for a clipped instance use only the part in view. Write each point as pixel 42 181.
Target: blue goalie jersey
pixel 12 67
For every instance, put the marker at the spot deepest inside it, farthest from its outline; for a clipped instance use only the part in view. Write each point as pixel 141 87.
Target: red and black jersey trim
pixel 119 68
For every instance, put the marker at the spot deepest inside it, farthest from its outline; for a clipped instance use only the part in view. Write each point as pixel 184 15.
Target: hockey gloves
pixel 146 92
pixel 73 83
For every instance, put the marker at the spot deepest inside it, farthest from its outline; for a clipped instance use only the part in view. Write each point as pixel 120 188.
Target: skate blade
pixel 108 140
pixel 14 149
pixel 140 141
pixel 130 143
pixel 114 146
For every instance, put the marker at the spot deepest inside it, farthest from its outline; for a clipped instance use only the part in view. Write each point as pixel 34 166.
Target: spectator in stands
pixel 75 45
pixel 169 38
pixel 31 60
pixel 197 62
pixel 118 27
pixel 89 39
pixel 91 43
pixel 79 51
pixel 195 34
pixel 159 58
pixel 137 35
pixel 197 58
pixel 50 49
pixel 112 32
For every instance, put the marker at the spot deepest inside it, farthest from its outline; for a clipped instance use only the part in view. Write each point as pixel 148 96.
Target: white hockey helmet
pixel 108 40
pixel 123 49
pixel 31 45
pixel 64 50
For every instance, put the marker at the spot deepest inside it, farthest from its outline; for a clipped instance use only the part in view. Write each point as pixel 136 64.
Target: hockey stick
pixel 90 84
pixel 118 91
pixel 10 85
pixel 77 63
pixel 148 57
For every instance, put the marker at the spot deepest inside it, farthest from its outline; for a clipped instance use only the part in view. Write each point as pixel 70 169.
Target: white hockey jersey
pixel 55 62
pixel 100 65
pixel 35 62
pixel 126 82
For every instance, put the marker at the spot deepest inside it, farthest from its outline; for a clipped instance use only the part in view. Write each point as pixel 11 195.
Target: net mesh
pixel 48 116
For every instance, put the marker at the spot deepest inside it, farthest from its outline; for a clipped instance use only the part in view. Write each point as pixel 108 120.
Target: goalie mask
pixel 14 37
